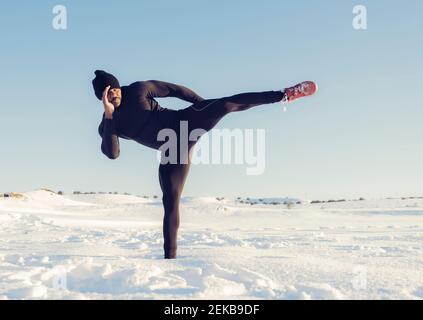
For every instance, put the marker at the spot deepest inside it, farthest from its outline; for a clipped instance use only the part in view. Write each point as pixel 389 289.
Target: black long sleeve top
pixel 140 117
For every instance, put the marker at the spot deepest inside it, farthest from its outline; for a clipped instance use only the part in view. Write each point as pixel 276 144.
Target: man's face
pixel 115 97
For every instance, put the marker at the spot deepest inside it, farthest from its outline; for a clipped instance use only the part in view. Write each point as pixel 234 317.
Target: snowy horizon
pixel 252 196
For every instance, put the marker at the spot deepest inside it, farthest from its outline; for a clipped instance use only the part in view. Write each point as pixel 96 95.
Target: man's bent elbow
pixel 111 154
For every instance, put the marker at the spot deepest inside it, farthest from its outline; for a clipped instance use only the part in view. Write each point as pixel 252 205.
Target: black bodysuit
pixel 140 117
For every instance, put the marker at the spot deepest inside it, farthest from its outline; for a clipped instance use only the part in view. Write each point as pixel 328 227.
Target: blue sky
pixel 360 136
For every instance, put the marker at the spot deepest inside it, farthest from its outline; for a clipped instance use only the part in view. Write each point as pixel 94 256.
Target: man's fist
pixel 108 107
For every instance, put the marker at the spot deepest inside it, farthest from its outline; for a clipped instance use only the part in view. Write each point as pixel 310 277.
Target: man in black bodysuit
pixel 131 112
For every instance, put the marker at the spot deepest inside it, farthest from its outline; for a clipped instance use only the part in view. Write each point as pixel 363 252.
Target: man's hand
pixel 108 107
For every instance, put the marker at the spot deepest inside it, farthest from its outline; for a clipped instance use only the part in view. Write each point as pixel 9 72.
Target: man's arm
pixel 110 140
pixel 161 89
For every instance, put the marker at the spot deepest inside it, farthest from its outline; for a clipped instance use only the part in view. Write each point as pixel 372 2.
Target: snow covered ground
pixel 92 246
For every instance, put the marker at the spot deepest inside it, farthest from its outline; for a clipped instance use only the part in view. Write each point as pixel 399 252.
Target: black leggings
pixel 201 115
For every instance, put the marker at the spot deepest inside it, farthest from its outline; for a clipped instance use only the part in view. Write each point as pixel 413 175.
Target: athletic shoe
pixel 303 89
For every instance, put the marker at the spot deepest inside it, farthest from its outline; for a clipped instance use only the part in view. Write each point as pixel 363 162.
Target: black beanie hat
pixel 102 80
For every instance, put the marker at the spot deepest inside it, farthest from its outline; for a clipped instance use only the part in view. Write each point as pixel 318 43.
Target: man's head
pixel 101 81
